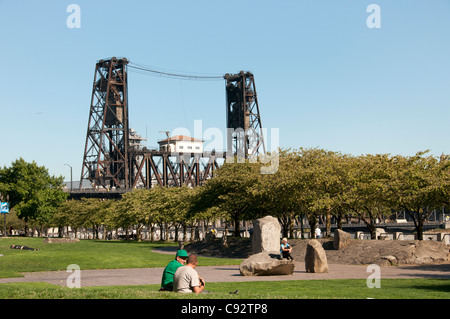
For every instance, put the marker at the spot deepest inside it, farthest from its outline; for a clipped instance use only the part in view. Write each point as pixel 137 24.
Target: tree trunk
pixel 192 233
pixel 312 225
pixel 291 227
pixel 224 236
pixel 237 229
pixel 418 222
pixel 197 231
pixel 302 236
pixel 184 233
pixel 373 231
pixel 284 221
pixel 95 231
pixel 60 228
pixel 176 232
pixel 328 222
pixel 138 233
pixel 161 232
pixel 339 221
pixel 419 229
pixel 26 228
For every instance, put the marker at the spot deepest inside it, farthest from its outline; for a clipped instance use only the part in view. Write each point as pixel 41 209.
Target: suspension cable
pixel 173 75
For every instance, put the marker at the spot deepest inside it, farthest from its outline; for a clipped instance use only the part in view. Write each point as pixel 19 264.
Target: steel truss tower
pixel 244 131
pixel 111 162
pixel 105 160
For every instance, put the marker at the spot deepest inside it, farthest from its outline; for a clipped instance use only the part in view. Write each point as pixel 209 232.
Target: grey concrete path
pixel 144 276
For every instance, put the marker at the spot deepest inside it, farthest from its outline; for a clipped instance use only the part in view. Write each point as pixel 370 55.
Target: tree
pixel 325 174
pixel 368 195
pixel 170 205
pixel 231 191
pixel 278 193
pixel 420 186
pixel 47 203
pixel 70 213
pixel 33 193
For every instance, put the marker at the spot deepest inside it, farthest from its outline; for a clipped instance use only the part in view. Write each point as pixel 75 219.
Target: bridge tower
pixel 105 159
pixel 244 131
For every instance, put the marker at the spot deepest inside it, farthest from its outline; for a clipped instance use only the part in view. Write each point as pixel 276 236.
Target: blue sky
pixel 323 78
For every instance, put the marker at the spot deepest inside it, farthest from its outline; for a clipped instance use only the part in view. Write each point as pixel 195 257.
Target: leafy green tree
pixel 231 191
pixel 70 213
pixel 33 193
pixel 278 193
pixel 369 195
pixel 95 211
pixel 131 209
pixel 420 186
pixel 308 194
pixel 170 205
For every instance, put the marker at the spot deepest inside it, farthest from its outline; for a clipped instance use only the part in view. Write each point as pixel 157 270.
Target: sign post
pixel 4 209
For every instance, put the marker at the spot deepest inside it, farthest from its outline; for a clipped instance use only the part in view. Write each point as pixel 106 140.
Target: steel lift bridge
pixel 113 163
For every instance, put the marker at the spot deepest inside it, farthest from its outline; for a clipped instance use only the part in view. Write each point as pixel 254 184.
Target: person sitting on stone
pixel 286 249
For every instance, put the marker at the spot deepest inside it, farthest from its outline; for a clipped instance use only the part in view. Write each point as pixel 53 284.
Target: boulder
pixel 341 239
pixel 391 259
pixel 266 264
pixel 266 235
pixel 380 233
pixel 429 252
pixel 315 258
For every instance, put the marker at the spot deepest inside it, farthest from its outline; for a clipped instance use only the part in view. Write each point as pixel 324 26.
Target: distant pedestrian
pixel 318 232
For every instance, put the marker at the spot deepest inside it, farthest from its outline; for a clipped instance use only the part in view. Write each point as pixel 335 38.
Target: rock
pixel 341 239
pixel 60 240
pixel 392 260
pixel 266 235
pixel 398 235
pixel 429 252
pixel 315 258
pixel 266 264
pixel 380 233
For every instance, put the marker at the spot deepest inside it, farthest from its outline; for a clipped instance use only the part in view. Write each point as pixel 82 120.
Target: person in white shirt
pixel 318 232
pixel 186 278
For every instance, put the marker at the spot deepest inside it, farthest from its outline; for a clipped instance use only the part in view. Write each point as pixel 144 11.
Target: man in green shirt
pixel 169 271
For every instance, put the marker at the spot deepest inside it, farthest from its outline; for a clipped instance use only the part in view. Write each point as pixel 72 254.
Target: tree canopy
pixel 33 193
pixel 312 183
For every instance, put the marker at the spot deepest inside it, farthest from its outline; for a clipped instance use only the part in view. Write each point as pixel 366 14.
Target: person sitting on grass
pixel 186 278
pixel 171 268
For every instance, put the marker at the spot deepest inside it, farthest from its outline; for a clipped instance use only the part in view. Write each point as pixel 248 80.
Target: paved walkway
pixel 145 276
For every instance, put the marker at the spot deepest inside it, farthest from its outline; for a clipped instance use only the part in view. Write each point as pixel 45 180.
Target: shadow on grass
pixel 437 286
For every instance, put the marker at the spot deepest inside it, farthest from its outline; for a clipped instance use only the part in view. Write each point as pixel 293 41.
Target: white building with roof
pixel 181 144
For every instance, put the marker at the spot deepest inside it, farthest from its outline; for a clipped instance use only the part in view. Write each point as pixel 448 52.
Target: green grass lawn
pixel 93 254
pixel 297 289
pixel 88 254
